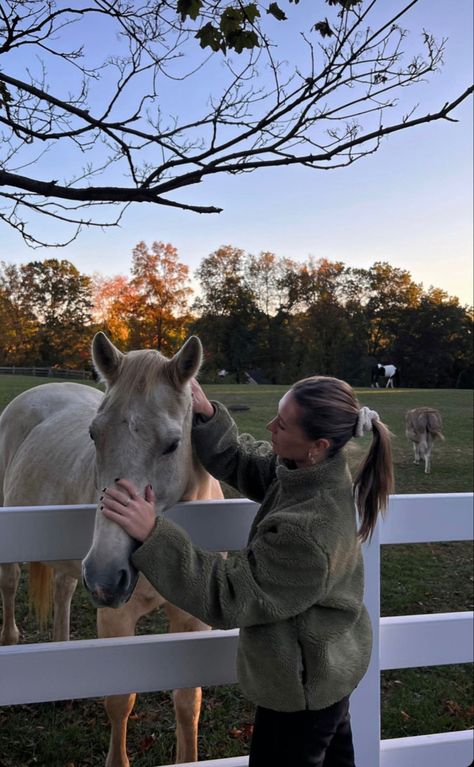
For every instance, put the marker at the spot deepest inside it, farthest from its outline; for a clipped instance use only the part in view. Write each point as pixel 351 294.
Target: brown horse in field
pixel 423 425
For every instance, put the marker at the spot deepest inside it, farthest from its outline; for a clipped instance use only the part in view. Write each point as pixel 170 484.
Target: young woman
pixel 296 590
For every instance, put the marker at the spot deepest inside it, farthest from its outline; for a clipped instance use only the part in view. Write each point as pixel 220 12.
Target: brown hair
pixel 331 411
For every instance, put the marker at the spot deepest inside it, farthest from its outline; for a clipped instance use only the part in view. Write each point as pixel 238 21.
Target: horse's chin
pixel 107 596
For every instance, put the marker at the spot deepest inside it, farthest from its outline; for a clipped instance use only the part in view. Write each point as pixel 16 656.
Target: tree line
pixel 269 317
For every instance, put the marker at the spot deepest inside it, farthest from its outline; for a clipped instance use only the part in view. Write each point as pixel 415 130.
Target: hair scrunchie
pixel 365 421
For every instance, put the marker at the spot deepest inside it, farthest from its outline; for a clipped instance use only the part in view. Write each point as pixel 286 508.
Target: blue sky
pixel 409 204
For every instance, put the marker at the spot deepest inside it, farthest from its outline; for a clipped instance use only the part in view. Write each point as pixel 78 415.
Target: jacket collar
pixel 329 472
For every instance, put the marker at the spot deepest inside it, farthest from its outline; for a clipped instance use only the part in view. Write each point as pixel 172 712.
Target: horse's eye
pixel 91 434
pixel 171 448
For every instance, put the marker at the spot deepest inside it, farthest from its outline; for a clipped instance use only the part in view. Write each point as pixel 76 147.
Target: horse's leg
pixel 9 579
pixel 114 623
pixel 429 447
pixel 187 701
pixel 416 450
pixel 63 590
pixel 423 450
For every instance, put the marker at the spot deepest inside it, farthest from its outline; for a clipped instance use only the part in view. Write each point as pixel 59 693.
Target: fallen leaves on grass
pixel 146 743
pixel 242 733
pixel 453 708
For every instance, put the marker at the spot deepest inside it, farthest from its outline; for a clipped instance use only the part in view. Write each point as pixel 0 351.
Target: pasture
pixel 415 579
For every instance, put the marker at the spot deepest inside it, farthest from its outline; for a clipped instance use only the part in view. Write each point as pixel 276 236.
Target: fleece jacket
pixel 295 591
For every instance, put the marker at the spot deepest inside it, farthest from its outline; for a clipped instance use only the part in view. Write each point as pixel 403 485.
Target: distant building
pixel 256 377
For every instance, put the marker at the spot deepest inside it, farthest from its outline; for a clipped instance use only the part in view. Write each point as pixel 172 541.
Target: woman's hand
pixel 123 504
pixel 201 404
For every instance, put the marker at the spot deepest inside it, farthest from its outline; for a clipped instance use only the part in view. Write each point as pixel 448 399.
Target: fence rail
pixel 45 372
pixel 49 671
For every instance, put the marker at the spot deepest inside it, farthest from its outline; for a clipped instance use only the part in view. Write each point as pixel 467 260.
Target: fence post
pixel 365 701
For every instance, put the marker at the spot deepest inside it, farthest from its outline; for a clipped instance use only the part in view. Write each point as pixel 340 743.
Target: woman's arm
pixel 279 575
pixel 240 460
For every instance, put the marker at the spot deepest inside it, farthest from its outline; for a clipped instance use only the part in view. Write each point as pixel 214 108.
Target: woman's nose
pixel 270 425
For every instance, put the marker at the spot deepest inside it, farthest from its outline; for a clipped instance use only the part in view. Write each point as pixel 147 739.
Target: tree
pixel 324 342
pixel 19 337
pixel 58 296
pixel 157 305
pixel 228 314
pixel 267 276
pixel 112 298
pixel 383 292
pixel 434 341
pixel 114 122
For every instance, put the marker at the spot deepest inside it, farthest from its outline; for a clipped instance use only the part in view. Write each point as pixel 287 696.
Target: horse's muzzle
pixel 111 589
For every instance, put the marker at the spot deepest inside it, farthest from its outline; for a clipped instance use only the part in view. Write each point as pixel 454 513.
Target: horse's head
pixel 142 432
pixel 378 371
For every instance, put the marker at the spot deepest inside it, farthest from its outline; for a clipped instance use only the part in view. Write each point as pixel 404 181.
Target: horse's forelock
pixel 142 371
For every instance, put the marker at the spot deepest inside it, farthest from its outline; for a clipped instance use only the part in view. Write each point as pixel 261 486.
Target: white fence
pixel 91 668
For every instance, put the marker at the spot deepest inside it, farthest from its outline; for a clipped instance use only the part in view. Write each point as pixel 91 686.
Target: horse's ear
pixel 186 363
pixel 106 357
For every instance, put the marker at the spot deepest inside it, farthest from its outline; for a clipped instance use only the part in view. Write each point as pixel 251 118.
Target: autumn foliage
pixel 254 313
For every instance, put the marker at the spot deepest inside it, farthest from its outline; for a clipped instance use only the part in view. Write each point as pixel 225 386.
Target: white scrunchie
pixel 365 421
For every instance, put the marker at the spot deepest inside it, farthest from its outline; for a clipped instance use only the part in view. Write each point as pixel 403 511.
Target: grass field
pixel 414 579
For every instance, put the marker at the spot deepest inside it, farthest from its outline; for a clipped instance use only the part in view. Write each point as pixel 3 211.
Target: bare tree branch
pixel 142 120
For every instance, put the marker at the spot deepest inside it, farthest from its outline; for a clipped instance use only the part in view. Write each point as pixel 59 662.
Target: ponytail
pixel 374 481
pixel 332 411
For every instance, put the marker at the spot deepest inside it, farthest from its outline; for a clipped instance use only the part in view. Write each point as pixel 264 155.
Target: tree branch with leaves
pixel 84 135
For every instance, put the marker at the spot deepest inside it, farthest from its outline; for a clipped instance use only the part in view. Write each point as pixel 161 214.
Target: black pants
pixel 303 738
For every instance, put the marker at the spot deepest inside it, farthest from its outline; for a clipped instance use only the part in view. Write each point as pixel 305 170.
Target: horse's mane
pixel 140 371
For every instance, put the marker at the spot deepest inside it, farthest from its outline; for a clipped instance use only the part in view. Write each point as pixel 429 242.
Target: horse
pixel 140 429
pixel 423 425
pixel 390 372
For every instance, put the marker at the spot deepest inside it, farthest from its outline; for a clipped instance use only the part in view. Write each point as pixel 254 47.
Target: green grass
pixel 423 578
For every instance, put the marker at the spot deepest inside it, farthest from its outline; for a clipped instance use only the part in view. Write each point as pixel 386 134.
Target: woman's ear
pixel 318 450
pixel 322 445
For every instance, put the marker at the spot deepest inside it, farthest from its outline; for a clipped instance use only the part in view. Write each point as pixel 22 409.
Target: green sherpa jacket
pixel 295 592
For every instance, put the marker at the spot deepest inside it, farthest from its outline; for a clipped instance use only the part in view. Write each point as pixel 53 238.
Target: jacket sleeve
pixel 242 461
pixel 279 575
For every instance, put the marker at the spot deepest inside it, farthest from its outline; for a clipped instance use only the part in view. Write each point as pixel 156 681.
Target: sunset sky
pixel 410 203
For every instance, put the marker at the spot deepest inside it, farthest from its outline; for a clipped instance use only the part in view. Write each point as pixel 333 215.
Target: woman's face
pixel 288 438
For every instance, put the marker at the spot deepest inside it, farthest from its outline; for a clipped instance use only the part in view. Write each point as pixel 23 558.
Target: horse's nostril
pixel 123 581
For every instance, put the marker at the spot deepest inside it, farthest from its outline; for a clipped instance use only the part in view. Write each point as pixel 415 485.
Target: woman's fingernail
pixel 104 489
pixel 101 508
pixel 117 479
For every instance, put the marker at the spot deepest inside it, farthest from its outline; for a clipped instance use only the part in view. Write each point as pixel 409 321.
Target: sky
pixel 409 204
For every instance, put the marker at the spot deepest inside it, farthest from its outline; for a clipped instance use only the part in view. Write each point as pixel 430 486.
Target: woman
pixel 296 590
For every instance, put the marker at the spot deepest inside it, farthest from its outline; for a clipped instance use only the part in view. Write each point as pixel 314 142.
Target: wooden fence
pixel 45 372
pixel 90 668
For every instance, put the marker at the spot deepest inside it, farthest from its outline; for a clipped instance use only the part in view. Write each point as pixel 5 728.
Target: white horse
pixel 140 429
pixel 423 425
